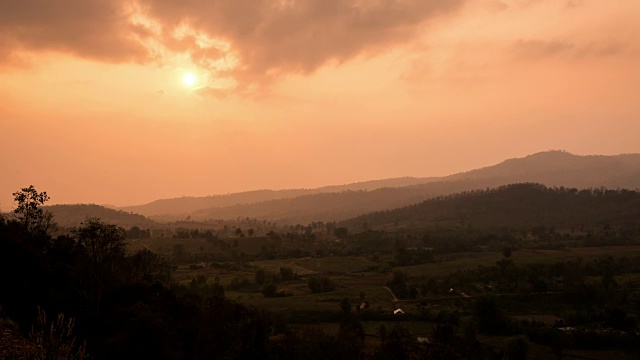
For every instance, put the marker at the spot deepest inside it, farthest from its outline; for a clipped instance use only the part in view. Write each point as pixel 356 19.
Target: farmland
pixel 445 292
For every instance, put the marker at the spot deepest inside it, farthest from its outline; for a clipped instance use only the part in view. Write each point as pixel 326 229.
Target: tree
pixel 135 233
pixel 286 274
pixel 399 285
pixel 319 284
pixel 489 316
pixel 148 266
pixel 341 232
pixel 269 290
pixel 469 331
pixel 104 244
pixel 382 333
pixel 29 212
pixel 179 252
pixel 345 306
pixel 261 277
pixel 517 348
pixel 506 251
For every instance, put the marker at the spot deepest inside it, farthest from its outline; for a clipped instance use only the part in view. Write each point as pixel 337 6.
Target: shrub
pixel 319 284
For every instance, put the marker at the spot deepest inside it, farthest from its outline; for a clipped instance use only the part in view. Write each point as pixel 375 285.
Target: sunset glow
pixel 189 79
pixel 165 99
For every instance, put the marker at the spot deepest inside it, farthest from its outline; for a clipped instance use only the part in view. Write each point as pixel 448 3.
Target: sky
pixel 123 102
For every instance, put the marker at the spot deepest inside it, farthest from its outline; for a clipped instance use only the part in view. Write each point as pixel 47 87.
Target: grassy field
pixel 309 265
pixel 274 266
pixel 164 246
pixel 337 264
pixel 464 261
pixel 372 328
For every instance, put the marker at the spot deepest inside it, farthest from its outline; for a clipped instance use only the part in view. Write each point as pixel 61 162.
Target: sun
pixel 189 79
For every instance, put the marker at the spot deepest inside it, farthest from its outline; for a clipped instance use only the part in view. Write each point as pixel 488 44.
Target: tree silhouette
pixel 104 244
pixel 29 211
pixel 506 251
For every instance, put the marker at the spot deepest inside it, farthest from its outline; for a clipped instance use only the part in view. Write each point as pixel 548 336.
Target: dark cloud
pixel 265 38
pixel 96 29
pixel 270 38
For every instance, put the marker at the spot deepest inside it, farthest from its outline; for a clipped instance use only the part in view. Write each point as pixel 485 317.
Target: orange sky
pixel 302 93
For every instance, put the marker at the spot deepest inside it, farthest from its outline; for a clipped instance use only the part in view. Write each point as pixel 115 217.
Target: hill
pixel 73 215
pixel 553 168
pixel 560 168
pixel 515 206
pixel 338 206
pixel 334 203
pixel 171 209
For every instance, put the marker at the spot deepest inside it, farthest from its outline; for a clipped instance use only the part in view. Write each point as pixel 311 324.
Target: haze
pixel 95 105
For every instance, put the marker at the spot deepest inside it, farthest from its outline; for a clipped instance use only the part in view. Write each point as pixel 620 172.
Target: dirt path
pixel 395 299
pixel 137 242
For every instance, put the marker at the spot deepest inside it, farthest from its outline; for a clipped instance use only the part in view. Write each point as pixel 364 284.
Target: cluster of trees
pixel 320 284
pixel 617 332
pixel 120 305
pixel 515 206
pixel 270 280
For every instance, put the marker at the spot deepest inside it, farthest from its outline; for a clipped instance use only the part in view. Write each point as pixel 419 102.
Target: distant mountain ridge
pixel 560 168
pixel 186 205
pixel 73 215
pixel 335 203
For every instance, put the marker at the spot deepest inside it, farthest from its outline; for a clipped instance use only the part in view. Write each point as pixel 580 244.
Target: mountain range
pixel 335 203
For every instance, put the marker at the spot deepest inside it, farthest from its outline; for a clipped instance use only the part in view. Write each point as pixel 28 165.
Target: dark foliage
pixel 118 303
pixel 515 206
pixel 319 284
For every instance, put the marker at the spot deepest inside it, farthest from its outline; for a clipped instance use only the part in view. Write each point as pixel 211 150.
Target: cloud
pixel 574 3
pixel 537 49
pixel 95 29
pixel 250 41
pixel 530 50
pixel 497 6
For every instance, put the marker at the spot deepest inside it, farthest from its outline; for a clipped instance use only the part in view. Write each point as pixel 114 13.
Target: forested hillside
pixel 73 215
pixel 515 205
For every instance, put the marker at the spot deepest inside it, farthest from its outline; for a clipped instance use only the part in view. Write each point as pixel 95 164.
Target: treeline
pixel 516 205
pixel 68 216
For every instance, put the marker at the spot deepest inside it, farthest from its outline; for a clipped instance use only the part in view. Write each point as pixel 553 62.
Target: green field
pixel 462 261
pixel 309 265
